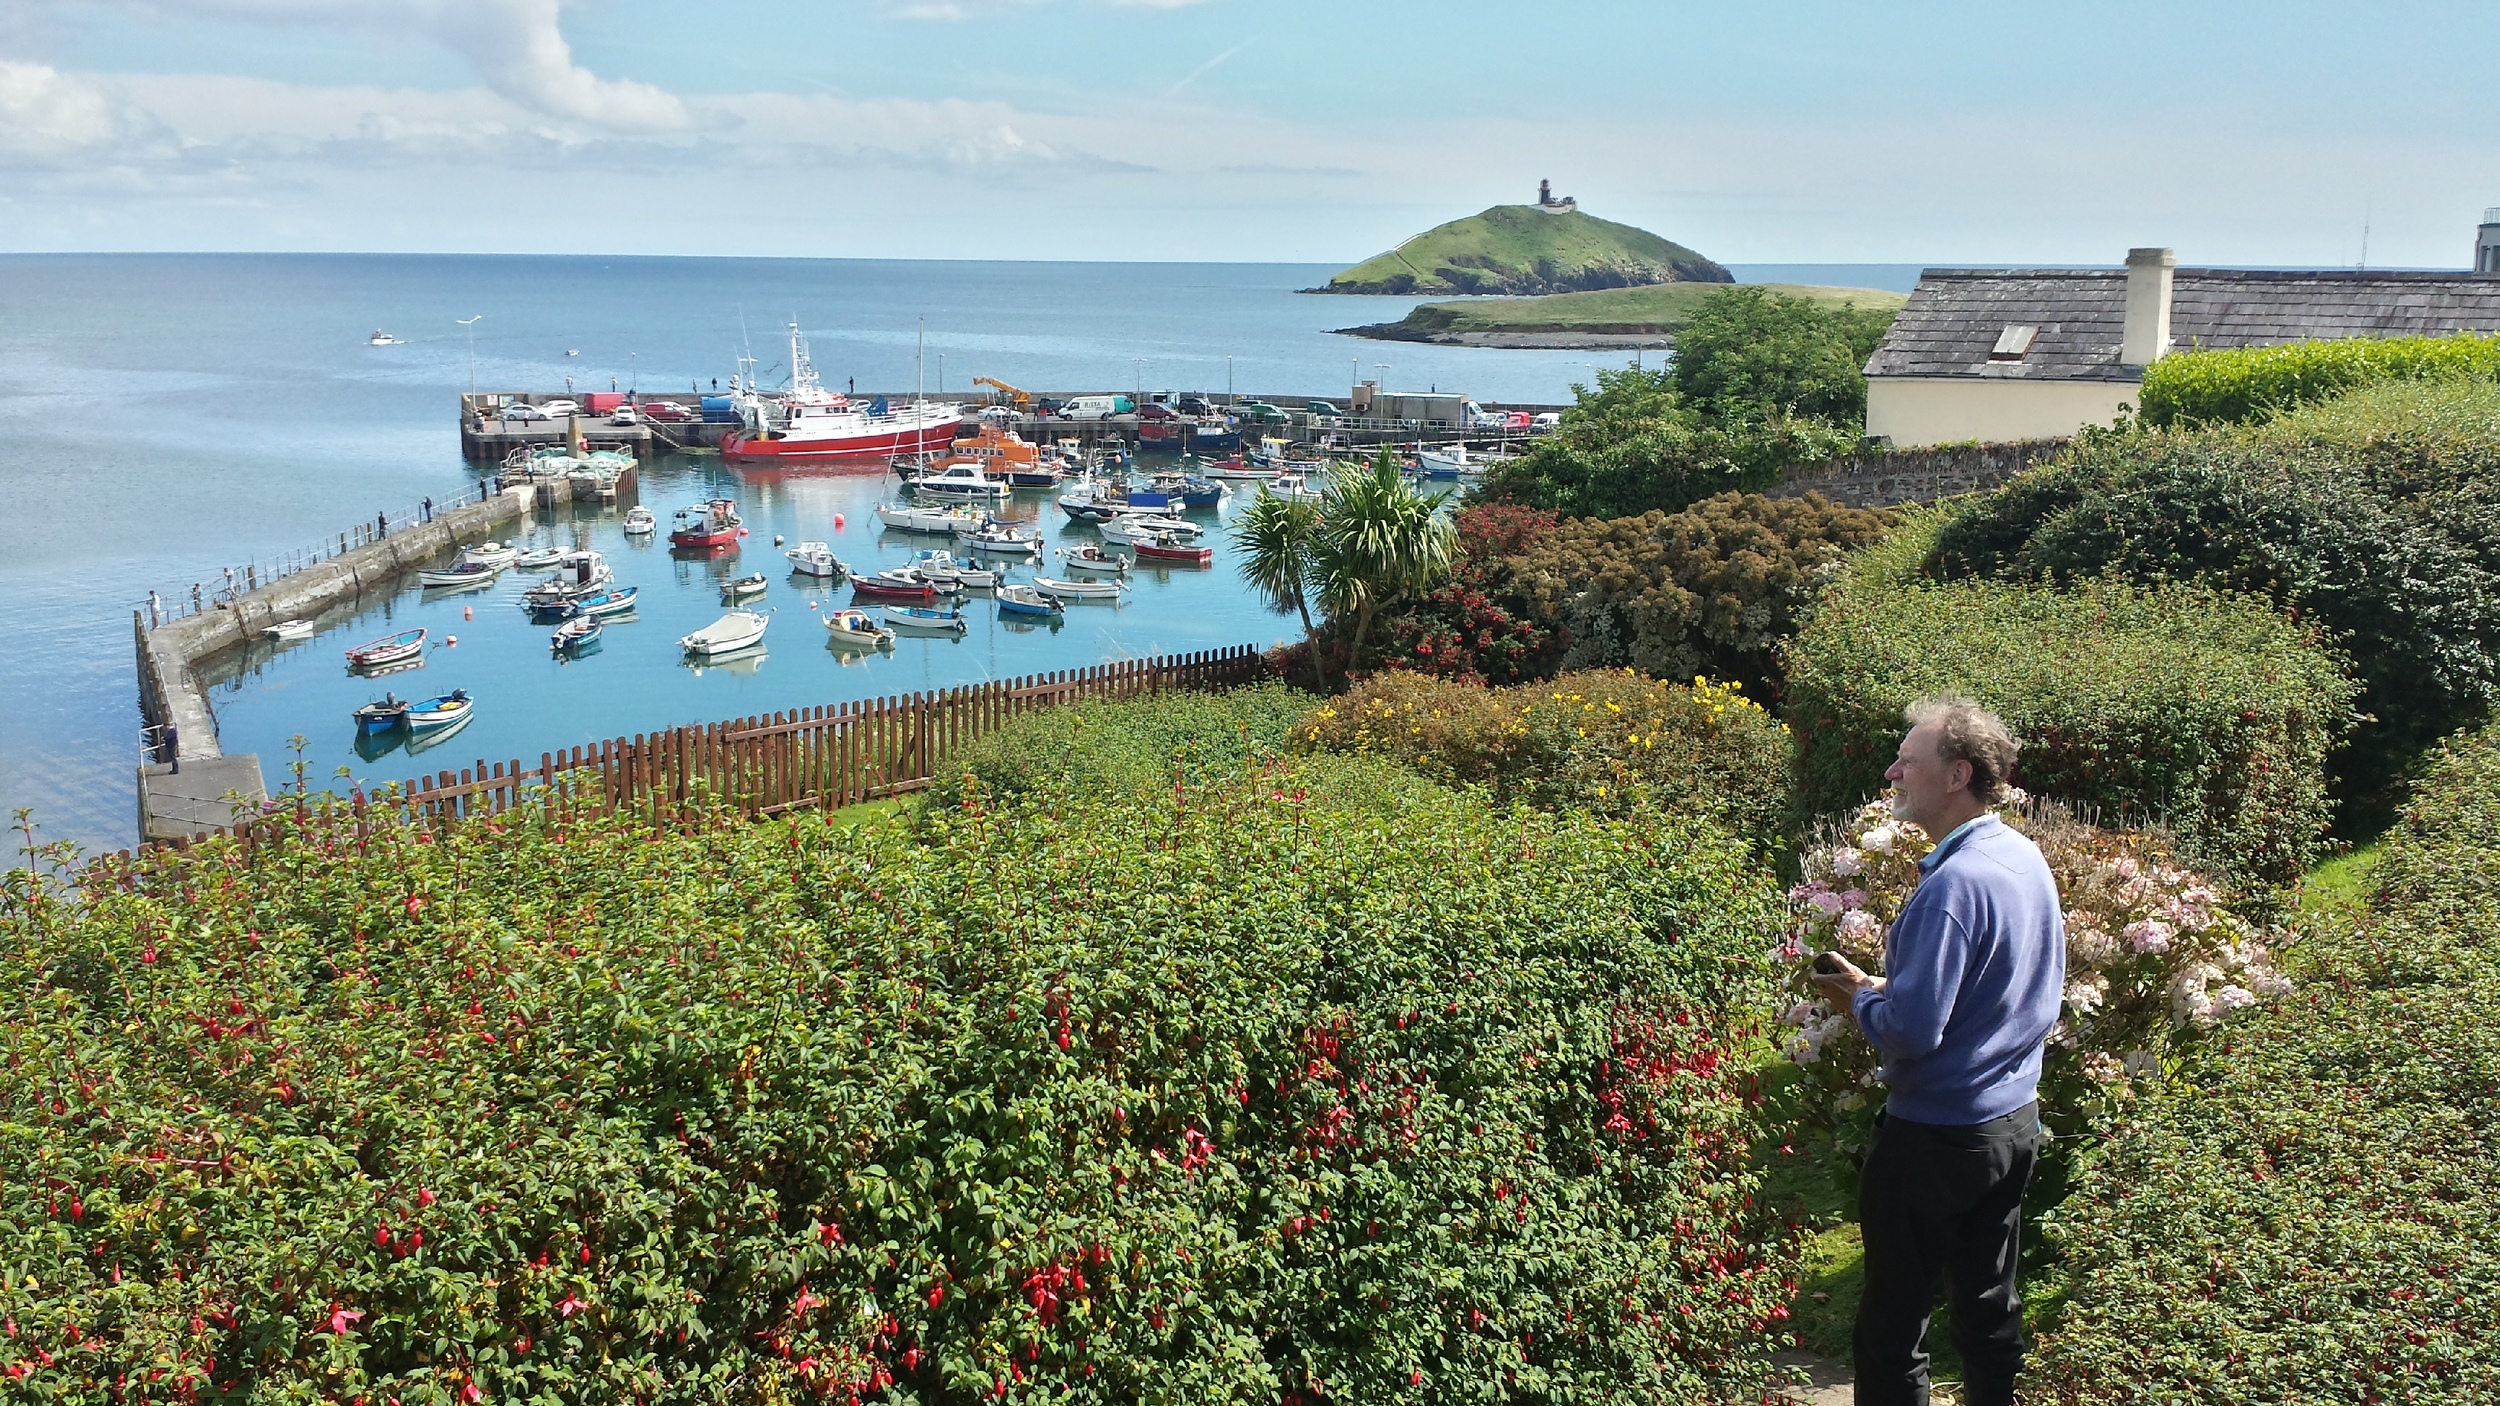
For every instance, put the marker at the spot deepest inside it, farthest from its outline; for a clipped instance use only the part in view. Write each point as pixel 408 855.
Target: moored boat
pixel 1237 468
pixel 497 555
pixel 577 574
pixel 575 633
pixel 390 649
pixel 906 517
pixel 1131 530
pixel 924 620
pixel 1024 600
pixel 739 629
pixel 1167 550
pixel 855 629
pixel 895 585
pixel 609 602
pixel 714 525
pixel 292 629
pixel 458 577
pixel 942 568
pixel 816 559
pixel 816 424
pixel 641 521
pixel 1079 590
pixel 744 588
pixel 961 482
pixel 436 713
pixel 1092 560
pixel 540 560
pixel 383 714
pixel 1005 539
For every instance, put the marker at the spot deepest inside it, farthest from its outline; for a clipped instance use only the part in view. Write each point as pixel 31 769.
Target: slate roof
pixel 1957 315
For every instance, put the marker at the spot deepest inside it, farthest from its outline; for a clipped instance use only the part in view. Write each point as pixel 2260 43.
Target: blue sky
pixel 1223 129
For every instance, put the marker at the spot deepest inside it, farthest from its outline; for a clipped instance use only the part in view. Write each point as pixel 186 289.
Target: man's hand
pixel 1841 988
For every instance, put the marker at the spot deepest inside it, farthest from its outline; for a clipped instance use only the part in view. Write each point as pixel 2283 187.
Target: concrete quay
pixel 194 802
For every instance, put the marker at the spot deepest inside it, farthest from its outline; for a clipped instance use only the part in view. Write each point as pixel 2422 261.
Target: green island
pixel 1426 1023
pixel 1648 316
pixel 1526 249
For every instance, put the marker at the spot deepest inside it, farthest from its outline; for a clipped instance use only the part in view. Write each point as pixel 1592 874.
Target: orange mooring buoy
pixel 837 522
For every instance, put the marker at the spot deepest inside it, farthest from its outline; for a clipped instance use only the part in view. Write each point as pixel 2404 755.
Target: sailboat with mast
pixel 815 425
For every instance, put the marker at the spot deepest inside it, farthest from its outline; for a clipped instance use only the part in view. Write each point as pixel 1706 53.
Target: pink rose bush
pixel 2153 956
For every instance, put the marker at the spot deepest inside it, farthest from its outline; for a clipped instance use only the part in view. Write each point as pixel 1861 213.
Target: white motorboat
pixel 467 576
pixel 381 338
pixel 904 517
pixel 544 559
pixel 1025 601
pixel 641 521
pixel 1004 539
pixel 962 482
pixel 739 629
pixel 577 574
pixel 292 629
pixel 925 620
pixel 854 628
pixel 1129 530
pixel 495 554
pixel 1291 486
pixel 1090 560
pixel 1079 590
pixel 816 559
pixel 942 568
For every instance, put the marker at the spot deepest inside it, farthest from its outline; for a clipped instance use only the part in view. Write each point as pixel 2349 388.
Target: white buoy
pixel 450 640
pixel 776 539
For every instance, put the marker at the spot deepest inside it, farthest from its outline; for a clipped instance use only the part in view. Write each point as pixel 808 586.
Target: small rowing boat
pixel 1024 600
pixel 434 714
pixel 1079 590
pixel 573 634
pixel 895 585
pixel 1091 560
pixel 853 629
pixel 606 603
pixel 1167 550
pixel 390 649
pixel 744 588
pixel 383 714
pixel 545 558
pixel 462 577
pixel 292 629
pixel 739 629
pixel 924 620
pixel 495 554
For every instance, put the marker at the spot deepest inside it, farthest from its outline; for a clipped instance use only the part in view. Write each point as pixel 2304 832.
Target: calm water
pixel 162 417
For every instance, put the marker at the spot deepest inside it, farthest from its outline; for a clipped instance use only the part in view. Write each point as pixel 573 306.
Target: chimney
pixel 2148 306
pixel 2487 242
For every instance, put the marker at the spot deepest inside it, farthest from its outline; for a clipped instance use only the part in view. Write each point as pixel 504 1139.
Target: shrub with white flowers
pixel 2153 956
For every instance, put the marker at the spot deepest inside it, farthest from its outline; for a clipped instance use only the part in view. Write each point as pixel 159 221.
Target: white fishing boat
pixel 1291 486
pixel 854 629
pixel 963 482
pixel 942 568
pixel 545 558
pixel 739 629
pixel 1129 530
pixel 292 629
pixel 1090 560
pixel 905 517
pixel 495 554
pixel 816 559
pixel 641 521
pixel 810 422
pixel 1079 590
pixel 1005 539
pixel 381 338
pixel 577 574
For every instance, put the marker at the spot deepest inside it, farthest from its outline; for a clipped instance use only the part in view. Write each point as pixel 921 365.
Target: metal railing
pixel 231 582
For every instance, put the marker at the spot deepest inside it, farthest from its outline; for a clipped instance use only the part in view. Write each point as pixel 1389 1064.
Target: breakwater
pixel 186 777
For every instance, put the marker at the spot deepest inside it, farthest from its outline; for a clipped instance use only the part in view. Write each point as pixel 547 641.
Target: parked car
pixel 997 414
pixel 1193 405
pixel 1047 405
pixel 1260 412
pixel 1322 407
pixel 624 416
pixel 1098 407
pixel 667 412
pixel 1156 412
pixel 557 409
pixel 522 412
pixel 1549 420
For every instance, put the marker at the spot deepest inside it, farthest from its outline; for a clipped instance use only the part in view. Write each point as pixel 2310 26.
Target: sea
pixel 165 417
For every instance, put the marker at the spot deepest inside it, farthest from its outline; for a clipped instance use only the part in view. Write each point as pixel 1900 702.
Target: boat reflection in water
pixel 420 741
pixel 374 746
pixel 745 661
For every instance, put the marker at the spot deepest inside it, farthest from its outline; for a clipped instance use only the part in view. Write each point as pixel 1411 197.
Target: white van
pixel 1097 407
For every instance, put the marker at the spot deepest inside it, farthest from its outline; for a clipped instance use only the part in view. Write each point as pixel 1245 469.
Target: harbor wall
pixel 170 653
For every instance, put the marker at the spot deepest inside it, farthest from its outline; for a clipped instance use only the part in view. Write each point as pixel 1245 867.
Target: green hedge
pixel 2203 710
pixel 2307 1215
pixel 2252 383
pixel 1322 1082
pixel 1121 748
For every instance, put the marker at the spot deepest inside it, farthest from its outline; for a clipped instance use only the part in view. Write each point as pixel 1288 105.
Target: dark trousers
pixel 1943 1202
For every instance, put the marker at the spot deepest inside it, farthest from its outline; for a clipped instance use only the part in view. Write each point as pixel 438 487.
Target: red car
pixel 665 411
pixel 1152 411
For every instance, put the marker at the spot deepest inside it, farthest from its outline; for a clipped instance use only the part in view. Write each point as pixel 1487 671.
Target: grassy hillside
pixel 1521 249
pixel 1661 308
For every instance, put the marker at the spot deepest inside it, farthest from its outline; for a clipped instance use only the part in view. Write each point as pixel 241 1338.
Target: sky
pixel 1249 130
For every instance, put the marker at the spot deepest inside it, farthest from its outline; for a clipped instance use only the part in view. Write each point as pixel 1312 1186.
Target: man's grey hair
pixel 1966 732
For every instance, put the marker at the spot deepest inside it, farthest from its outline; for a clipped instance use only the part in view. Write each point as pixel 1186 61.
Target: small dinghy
pixel 292 629
pixel 435 714
pixel 384 714
pixel 641 521
pixel 492 554
pixel 1129 531
pixel 739 629
pixel 942 569
pixel 1166 550
pixel 1090 560
pixel 576 633
pixel 744 588
pixel 1024 600
pixel 907 517
pixel 924 620
pixel 390 649
pixel 853 629
pixel 459 578
pixel 1079 590
pixel 1005 539
pixel 544 559
pixel 900 584
pixel 816 559
pixel 607 603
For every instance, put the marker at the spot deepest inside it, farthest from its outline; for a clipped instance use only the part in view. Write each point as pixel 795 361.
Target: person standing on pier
pixel 381 524
pixel 429 509
pixel 169 743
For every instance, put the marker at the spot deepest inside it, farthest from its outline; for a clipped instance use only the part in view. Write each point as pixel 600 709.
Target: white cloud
pixel 516 47
pixel 52 118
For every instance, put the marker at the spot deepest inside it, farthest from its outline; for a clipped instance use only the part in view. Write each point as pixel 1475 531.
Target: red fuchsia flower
pixel 424 1197
pixel 471 1394
pixel 416 904
pixel 382 1235
pixel 829 1234
pixel 567 1306
pixel 937 1295
pixel 911 1359
pixel 342 1319
pixel 804 1302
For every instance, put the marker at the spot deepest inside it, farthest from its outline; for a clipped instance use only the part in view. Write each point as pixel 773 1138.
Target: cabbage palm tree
pixel 1378 540
pixel 1277 538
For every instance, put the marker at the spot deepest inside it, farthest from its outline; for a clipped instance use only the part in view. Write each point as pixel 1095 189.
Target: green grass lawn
pixel 1660 308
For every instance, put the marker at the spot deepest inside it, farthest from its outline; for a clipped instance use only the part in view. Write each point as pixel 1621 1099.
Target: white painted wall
pixel 1916 412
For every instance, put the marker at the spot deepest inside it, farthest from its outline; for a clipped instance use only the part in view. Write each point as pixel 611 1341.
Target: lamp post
pixel 471 324
pixel 1228 381
pixel 941 375
pixel 1138 387
pixel 633 372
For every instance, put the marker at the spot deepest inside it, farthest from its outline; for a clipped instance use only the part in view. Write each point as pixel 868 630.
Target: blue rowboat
pixel 913 619
pixel 1024 600
pixel 384 714
pixel 436 713
pixel 574 634
pixel 615 602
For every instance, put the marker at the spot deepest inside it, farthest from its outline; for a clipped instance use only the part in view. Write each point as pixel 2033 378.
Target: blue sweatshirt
pixel 1975 972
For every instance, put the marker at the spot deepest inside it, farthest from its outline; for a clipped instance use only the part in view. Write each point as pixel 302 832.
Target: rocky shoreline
pixel 1519 339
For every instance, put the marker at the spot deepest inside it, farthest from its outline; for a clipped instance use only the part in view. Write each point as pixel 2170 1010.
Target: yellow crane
pixel 1020 399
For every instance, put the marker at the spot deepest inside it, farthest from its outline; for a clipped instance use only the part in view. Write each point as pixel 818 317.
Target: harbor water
pixel 164 416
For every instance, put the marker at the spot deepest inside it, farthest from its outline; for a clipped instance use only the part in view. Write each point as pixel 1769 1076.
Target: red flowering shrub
pixel 1323 1083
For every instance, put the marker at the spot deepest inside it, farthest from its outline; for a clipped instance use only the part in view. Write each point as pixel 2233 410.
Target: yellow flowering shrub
pixel 1610 741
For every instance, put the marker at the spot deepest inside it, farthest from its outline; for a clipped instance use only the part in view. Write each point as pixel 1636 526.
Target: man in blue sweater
pixel 1974 973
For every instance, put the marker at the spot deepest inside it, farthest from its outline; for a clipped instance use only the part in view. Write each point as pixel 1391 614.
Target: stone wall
pixel 1897 476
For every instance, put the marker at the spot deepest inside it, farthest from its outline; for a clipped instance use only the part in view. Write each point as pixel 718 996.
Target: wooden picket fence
pixel 825 757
